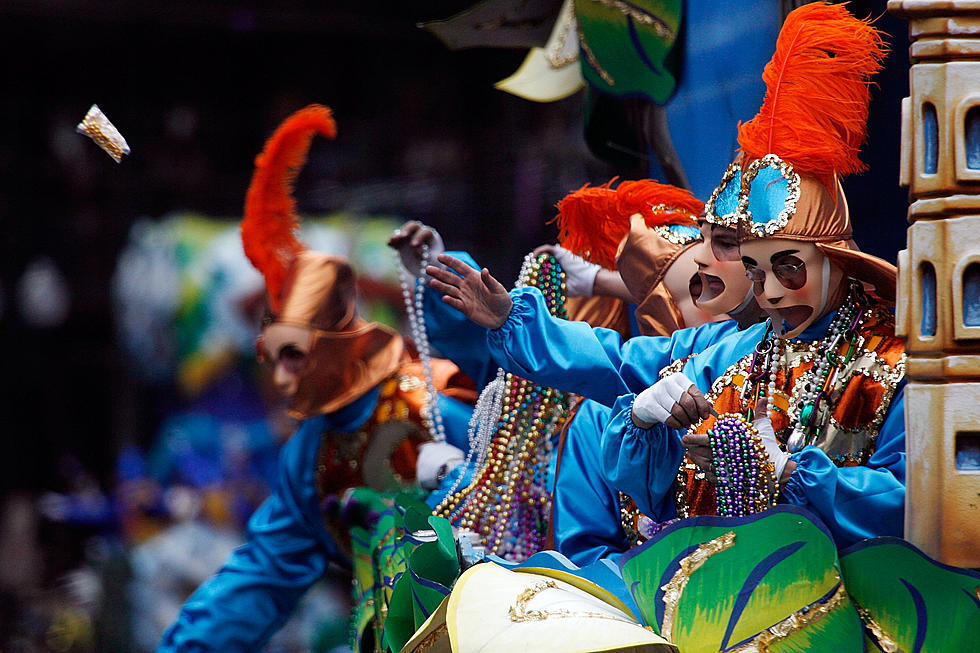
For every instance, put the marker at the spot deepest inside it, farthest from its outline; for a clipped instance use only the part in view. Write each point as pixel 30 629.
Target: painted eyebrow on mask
pixel 748 261
pixel 785 252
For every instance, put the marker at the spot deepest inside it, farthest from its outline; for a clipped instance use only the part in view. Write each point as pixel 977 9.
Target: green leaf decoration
pixel 625 46
pixel 712 584
pixel 911 601
pixel 432 569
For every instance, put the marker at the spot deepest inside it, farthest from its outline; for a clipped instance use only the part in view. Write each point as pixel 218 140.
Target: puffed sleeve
pixel 287 550
pixel 856 502
pixel 642 463
pixel 585 509
pixel 455 337
pixel 592 362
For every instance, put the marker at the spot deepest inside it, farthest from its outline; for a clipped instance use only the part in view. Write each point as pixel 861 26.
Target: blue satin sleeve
pixel 592 362
pixel 455 337
pixel 715 360
pixel 642 463
pixel 585 508
pixel 287 550
pixel 856 502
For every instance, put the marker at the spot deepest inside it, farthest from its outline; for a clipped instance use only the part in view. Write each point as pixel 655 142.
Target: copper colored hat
pixel 644 256
pixel 319 292
pixel 805 137
pixel 347 356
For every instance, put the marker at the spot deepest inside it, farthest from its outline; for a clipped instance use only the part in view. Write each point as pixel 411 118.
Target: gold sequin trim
pixel 795 622
pixel 675 237
pixel 776 224
pixel 689 564
pixel 674 367
pixel 659 26
pixel 885 641
pixel 628 516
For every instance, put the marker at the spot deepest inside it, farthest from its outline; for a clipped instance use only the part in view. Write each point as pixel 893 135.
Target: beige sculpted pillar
pixel 939 278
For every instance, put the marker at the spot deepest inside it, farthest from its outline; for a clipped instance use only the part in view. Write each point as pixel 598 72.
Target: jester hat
pixel 310 290
pixel 640 228
pixel 785 183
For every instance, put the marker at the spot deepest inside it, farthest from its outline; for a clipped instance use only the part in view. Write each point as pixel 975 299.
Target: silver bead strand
pixel 416 325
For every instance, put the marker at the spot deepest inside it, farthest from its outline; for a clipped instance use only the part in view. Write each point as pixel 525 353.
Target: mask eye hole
pixel 791 272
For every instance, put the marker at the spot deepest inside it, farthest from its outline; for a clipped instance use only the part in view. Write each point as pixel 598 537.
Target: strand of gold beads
pixel 507 503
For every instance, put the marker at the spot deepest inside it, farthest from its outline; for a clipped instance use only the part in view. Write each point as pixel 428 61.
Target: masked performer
pixel 361 400
pixel 823 378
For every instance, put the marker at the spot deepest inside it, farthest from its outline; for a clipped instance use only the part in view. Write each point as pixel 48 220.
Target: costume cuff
pixel 521 313
pixel 794 490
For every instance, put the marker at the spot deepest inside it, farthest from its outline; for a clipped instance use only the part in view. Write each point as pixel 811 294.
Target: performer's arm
pixel 641 462
pixel 287 550
pixel 586 519
pixel 856 502
pixel 592 362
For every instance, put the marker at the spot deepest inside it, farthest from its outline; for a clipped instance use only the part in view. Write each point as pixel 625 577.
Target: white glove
pixel 411 256
pixel 579 273
pixel 653 404
pixel 435 461
pixel 778 457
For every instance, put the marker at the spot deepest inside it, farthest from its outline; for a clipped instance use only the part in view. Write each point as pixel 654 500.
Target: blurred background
pixel 138 434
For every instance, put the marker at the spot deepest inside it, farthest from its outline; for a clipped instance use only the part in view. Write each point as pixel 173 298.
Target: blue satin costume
pixel 592 362
pixel 574 357
pixel 854 502
pixel 288 548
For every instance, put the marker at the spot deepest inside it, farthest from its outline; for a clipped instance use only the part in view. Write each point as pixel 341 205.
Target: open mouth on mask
pixel 695 286
pixel 711 287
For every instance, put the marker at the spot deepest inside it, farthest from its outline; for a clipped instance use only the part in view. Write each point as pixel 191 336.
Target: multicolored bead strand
pixel 507 503
pixel 746 478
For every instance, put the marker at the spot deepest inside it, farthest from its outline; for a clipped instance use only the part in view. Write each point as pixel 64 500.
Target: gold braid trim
pixel 791 624
pixel 430 640
pixel 689 564
pixel 659 26
pixel 519 612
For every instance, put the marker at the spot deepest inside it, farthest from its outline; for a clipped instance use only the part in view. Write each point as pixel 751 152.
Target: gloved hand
pixel 409 239
pixel 579 273
pixel 435 461
pixel 674 401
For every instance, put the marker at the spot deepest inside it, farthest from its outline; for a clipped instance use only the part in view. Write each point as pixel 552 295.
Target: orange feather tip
pixel 815 112
pixel 270 221
pixel 593 220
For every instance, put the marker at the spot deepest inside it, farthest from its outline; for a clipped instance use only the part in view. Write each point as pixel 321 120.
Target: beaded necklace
pixel 507 503
pixel 814 388
pixel 431 416
pixel 746 477
pixel 746 482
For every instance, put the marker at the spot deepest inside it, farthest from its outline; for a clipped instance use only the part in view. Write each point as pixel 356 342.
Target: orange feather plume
pixel 815 112
pixel 270 222
pixel 593 220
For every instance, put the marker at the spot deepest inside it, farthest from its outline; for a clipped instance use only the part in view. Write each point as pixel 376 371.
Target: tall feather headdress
pixel 815 111
pixel 593 220
pixel 270 224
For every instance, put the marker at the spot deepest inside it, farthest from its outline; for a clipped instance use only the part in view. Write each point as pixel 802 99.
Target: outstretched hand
pixel 409 238
pixel 474 293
